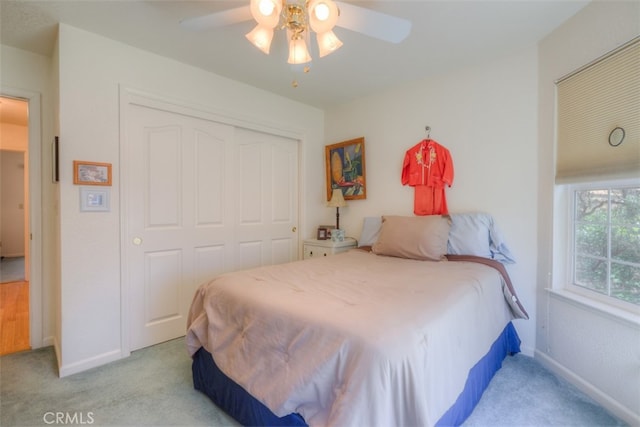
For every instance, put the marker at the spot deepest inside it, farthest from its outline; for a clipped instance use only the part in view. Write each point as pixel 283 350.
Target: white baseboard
pixel 13 255
pixel 527 351
pixel 92 362
pixel 56 349
pixel 610 404
pixel 47 342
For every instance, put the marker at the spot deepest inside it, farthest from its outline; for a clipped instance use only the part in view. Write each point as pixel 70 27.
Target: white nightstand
pixel 316 248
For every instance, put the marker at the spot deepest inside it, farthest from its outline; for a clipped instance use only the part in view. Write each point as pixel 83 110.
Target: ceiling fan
pixel 298 17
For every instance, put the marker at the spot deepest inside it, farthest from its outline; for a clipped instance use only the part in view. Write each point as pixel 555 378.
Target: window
pixel 605 222
pixel 597 245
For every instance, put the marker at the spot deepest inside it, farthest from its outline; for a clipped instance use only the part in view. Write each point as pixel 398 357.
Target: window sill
pixel 631 317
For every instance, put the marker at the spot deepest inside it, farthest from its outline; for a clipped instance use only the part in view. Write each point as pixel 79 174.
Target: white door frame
pixel 137 97
pixel 35 211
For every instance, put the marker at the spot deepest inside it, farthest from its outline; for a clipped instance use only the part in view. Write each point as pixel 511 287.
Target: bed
pixel 405 333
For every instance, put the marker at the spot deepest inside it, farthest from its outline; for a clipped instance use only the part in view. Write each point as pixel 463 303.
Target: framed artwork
pixel 91 173
pixel 345 167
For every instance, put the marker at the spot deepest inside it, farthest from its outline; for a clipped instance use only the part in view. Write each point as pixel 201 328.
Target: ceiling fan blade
pixel 371 23
pixel 218 19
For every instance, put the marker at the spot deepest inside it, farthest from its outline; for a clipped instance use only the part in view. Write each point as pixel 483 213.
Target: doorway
pixel 14 225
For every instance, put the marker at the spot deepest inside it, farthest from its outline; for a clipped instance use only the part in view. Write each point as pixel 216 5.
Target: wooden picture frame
pixel 345 169
pixel 91 173
pixel 328 229
pixel 322 233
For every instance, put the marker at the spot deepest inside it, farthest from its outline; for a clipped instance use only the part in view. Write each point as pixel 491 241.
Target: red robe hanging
pixel 428 167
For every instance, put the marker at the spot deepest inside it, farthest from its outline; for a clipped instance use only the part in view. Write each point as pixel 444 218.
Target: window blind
pixel 591 102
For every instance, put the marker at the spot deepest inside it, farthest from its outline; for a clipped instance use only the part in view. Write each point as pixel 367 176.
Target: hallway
pixel 12 269
pixel 14 317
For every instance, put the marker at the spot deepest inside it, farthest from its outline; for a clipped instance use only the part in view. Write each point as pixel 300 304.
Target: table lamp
pixel 337 201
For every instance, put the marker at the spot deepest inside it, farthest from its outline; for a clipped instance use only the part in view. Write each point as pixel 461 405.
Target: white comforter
pixel 354 339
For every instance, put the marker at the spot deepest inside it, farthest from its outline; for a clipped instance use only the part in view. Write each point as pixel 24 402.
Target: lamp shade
pixel 337 199
pixel 266 12
pixel 327 43
pixel 261 37
pixel 298 52
pixel 323 15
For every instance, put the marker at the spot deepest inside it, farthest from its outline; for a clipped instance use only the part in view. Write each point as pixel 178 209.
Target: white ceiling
pixel 445 35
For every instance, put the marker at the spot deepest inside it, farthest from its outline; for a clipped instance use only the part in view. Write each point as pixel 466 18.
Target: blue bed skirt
pixel 248 411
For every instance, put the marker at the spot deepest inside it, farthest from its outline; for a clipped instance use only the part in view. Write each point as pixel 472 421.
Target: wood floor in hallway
pixel 14 317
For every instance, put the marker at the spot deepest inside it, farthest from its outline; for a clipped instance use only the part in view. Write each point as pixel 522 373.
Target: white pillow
pixel 475 233
pixel 370 230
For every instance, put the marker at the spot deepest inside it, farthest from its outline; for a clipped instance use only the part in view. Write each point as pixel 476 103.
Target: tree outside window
pixel 607 241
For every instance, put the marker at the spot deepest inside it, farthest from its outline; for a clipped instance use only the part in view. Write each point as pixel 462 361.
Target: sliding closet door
pixel 202 198
pixel 266 174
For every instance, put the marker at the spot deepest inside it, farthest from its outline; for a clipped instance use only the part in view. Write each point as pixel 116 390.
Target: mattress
pixel 354 339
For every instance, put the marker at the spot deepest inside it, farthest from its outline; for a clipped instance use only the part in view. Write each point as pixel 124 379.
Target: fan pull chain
pixel 306 69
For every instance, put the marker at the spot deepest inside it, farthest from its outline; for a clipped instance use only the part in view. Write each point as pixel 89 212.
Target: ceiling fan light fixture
pixel 298 52
pixel 266 12
pixel 261 37
pixel 328 43
pixel 323 15
pixel 299 18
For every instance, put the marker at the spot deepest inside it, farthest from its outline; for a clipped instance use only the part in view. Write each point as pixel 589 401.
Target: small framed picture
pixel 94 199
pixel 91 173
pixel 322 233
pixel 329 229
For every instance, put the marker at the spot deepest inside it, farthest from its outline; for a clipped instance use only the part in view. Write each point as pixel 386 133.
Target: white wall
pixel 14 143
pixel 597 351
pixel 14 137
pixel 12 221
pixel 92 69
pixel 487 117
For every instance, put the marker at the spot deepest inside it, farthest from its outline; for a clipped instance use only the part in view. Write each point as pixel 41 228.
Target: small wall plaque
pixel 95 199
